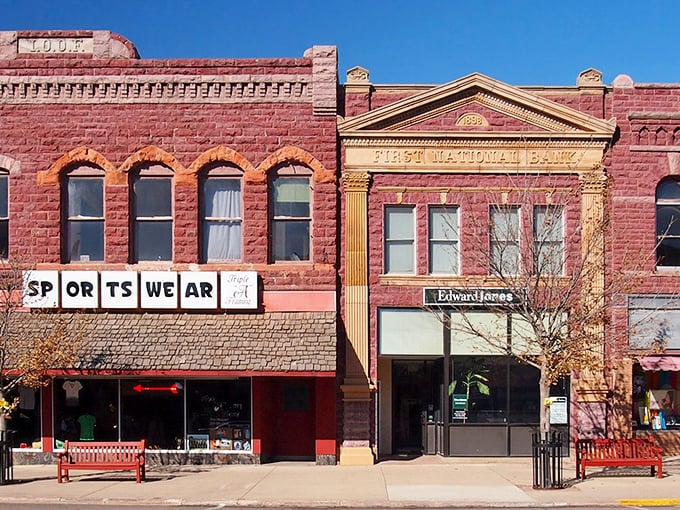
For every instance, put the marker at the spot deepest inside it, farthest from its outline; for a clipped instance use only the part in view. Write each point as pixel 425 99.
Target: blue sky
pixel 521 42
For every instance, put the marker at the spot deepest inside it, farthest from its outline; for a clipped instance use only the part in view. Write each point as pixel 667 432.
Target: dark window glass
pixel 85 221
pixel 504 238
pixel 153 218
pixel 4 216
pixel 524 393
pixel 481 382
pixel 152 409
pixel 154 240
pixel 668 223
pixel 85 408
pixel 291 218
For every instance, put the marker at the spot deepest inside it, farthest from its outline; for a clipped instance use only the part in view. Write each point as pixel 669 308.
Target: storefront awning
pixel 665 363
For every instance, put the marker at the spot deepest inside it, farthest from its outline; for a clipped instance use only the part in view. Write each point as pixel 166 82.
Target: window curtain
pixel 222 227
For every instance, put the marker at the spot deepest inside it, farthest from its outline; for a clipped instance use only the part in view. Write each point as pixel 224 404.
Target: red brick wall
pixel 41 132
pixel 637 164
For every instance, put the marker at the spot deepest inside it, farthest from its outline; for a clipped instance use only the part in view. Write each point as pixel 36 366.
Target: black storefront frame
pixel 510 437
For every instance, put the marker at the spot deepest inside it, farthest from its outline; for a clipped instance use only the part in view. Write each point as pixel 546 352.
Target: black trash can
pixel 546 451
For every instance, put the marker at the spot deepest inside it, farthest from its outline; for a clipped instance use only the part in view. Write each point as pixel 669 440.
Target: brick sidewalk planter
pixel 618 452
pixel 93 455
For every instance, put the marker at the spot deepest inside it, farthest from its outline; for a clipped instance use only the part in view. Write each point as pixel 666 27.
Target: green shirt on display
pixel 87 422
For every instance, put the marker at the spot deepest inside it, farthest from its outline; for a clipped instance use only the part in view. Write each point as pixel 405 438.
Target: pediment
pixel 476 105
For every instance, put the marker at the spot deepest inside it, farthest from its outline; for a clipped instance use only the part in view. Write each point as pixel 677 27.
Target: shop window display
pixel 85 410
pixel 152 409
pixel 170 414
pixel 218 415
pixel 655 400
pixel 482 382
pixel 496 389
pixel 24 422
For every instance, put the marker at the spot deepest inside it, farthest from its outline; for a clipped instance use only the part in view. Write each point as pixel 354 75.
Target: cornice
pixel 155 89
pixel 515 140
pixel 456 281
pixel 510 100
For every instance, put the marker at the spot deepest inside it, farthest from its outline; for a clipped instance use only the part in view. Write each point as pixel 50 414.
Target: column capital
pixel 594 181
pixel 356 181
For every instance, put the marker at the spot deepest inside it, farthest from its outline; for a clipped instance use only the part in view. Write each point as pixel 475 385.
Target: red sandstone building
pixel 426 172
pixel 644 165
pixel 185 210
pixel 238 299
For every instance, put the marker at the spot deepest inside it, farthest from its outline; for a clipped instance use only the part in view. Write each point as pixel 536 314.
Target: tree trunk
pixel 544 394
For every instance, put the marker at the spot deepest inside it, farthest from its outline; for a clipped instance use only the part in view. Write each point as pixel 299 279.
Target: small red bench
pixel 618 452
pixel 94 455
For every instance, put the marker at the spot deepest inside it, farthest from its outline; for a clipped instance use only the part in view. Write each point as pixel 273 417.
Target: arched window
pixel 668 223
pixel 152 213
pixel 290 213
pixel 83 192
pixel 221 213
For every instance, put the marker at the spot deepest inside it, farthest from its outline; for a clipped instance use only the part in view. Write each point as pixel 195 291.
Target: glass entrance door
pixel 417 393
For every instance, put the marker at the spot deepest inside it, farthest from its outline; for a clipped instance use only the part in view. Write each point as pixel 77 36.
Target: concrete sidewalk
pixel 425 482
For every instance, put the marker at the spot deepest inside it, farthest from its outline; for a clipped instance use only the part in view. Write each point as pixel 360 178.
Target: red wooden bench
pixel 93 455
pixel 618 452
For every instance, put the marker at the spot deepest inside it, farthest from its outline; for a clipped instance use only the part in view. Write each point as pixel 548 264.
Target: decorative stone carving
pixel 155 89
pixel 623 81
pixel 590 77
pixel 356 181
pixel 471 120
pixel 358 75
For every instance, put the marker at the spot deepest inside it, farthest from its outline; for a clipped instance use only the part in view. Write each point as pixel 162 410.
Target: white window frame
pixel 551 241
pixel 393 241
pixel 153 172
pixel 83 173
pixel 450 241
pixel 499 241
pixel 291 171
pixel 228 173
pixel 666 235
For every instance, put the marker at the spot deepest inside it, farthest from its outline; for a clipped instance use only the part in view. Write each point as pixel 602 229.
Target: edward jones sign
pixel 468 297
pixel 191 290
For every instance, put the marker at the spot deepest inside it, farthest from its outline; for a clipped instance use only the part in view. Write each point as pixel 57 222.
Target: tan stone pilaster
pixel 356 387
pixel 592 386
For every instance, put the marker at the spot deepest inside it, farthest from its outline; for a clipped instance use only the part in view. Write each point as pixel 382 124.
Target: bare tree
pixel 30 351
pixel 549 270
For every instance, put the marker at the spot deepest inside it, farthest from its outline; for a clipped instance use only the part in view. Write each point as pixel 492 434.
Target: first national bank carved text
pixel 475 157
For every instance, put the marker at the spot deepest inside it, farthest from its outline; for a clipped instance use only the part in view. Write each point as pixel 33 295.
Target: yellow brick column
pixel 356 387
pixel 591 388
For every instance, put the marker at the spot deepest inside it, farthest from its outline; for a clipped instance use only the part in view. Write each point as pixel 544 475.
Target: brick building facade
pixel 181 216
pixel 426 168
pixel 187 219
pixel 644 165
